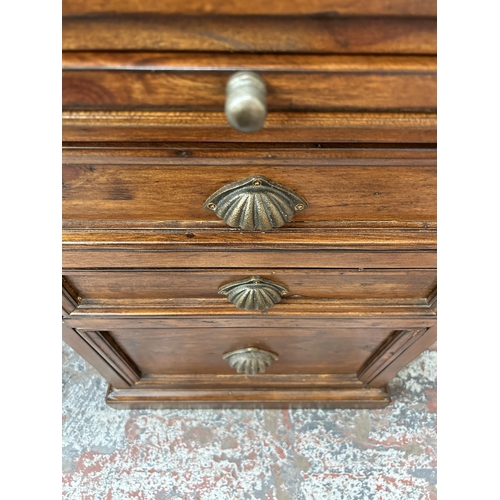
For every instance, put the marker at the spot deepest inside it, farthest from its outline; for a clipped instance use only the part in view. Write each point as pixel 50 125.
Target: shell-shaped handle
pixel 255 203
pixel 246 108
pixel 254 293
pixel 250 360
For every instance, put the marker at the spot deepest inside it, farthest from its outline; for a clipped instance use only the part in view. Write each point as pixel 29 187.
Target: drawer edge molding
pixel 206 126
pixel 310 397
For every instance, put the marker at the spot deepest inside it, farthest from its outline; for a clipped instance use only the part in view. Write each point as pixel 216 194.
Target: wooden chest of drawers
pixel 207 266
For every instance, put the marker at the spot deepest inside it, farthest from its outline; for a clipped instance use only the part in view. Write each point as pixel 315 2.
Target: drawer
pixel 175 194
pixel 197 82
pixel 325 365
pixel 300 284
pixel 361 26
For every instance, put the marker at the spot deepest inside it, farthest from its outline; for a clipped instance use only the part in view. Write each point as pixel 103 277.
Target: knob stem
pixel 246 108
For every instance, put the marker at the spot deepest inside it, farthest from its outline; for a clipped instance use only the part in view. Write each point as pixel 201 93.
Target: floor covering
pixel 387 454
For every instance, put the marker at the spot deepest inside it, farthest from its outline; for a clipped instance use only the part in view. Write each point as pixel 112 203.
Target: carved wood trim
pixel 105 346
pixel 70 298
pixel 211 398
pixel 432 300
pixel 296 307
pixel 286 381
pixel 88 352
pixel 383 365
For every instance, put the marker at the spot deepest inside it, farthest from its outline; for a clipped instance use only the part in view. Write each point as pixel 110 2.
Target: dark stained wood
pixel 308 283
pixel 186 351
pixel 177 193
pixel 296 83
pixel 256 7
pixel 318 127
pixel 269 398
pixel 256 33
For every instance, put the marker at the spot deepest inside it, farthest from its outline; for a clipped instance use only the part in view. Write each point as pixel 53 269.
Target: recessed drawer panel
pixel 195 351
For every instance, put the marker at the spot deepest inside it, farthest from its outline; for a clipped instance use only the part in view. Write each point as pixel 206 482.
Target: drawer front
pixel 200 351
pixel 300 284
pixel 174 193
pixel 361 26
pixel 198 82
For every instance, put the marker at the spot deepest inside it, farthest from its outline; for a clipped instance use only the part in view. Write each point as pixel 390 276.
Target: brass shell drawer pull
pixel 246 108
pixel 255 203
pixel 254 293
pixel 250 360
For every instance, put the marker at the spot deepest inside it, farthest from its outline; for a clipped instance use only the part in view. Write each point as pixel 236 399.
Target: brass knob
pixel 250 360
pixel 246 108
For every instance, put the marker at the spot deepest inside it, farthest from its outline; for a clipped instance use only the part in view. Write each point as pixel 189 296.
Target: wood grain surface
pixel 185 351
pixel 284 7
pixel 193 283
pixel 289 126
pixel 177 193
pixel 247 34
pixel 195 82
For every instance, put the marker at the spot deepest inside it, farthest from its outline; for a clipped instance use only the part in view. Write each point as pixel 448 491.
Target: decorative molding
pixel 296 306
pixel 389 352
pixel 213 398
pixel 287 381
pixel 106 348
pixel 189 126
pixel 432 300
pixel 70 298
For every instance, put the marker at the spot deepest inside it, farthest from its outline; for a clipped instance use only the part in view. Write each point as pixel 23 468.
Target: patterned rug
pixel 387 454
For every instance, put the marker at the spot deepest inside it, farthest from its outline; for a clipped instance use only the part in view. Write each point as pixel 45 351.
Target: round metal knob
pixel 246 108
